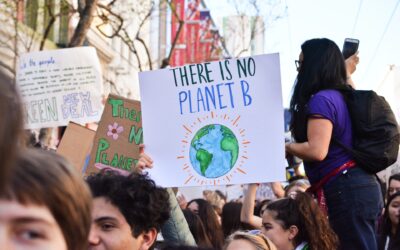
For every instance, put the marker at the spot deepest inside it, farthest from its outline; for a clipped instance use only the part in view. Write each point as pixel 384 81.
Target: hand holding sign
pixel 144 161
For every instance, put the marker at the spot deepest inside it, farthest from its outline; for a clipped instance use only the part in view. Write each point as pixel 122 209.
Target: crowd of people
pixel 46 204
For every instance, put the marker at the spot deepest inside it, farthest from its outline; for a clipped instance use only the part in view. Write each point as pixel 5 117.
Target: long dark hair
pixel 210 221
pixel 322 68
pixel 304 213
pixel 197 229
pixel 230 219
pixel 11 125
pixel 386 226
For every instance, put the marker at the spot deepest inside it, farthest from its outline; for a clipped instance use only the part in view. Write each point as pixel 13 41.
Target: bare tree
pixel 252 19
pixel 16 37
pixel 86 10
pixel 114 17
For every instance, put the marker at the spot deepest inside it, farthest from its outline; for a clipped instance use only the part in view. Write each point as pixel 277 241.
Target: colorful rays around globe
pixel 235 143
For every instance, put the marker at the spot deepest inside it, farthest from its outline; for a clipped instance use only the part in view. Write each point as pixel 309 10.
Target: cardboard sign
pixel 76 145
pixel 116 145
pixel 59 86
pixel 215 123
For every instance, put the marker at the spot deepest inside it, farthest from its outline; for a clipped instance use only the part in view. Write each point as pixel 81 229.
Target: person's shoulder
pixel 332 98
pixel 329 93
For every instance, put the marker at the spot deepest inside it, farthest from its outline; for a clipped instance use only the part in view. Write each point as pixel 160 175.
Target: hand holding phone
pixel 350 47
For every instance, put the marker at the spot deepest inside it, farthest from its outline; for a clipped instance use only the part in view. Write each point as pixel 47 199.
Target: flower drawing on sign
pixel 114 130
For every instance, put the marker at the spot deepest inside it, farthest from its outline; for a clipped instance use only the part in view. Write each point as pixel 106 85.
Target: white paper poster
pixel 215 123
pixel 59 86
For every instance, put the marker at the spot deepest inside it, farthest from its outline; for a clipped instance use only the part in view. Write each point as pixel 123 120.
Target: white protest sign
pixel 215 123
pixel 59 86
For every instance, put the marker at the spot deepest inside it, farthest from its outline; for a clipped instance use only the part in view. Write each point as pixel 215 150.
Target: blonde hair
pixel 258 240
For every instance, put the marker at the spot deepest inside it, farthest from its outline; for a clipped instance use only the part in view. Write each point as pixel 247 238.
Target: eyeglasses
pixel 298 64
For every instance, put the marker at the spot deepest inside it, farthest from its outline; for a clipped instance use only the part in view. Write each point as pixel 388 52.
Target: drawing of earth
pixel 214 150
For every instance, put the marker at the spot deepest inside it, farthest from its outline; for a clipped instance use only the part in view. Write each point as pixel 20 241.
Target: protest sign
pixel 59 86
pixel 215 123
pixel 76 145
pixel 116 144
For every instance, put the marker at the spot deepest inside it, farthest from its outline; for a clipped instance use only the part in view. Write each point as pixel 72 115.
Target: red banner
pixel 178 57
pixel 199 40
pixel 192 30
pixel 205 36
pixel 216 48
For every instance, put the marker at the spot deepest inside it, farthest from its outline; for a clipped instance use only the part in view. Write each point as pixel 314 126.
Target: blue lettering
pixel 230 93
pixel 87 104
pixel 70 105
pixel 200 99
pixel 210 96
pixel 221 106
pixel 245 89
pixel 182 98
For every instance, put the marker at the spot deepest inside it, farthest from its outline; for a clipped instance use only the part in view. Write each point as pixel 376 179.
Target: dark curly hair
pixel 304 213
pixel 143 204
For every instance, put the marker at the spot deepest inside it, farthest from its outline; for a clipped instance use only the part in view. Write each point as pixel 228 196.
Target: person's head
pixel 261 206
pixel 321 67
pixel 11 125
pixel 210 220
pixel 128 211
pixel 394 184
pixel 230 218
pixel 45 204
pixel 296 186
pixel 248 241
pixel 391 216
pixel 288 222
pixel 197 229
pixel 216 198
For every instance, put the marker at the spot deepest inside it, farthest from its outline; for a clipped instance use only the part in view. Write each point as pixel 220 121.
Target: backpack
pixel 375 130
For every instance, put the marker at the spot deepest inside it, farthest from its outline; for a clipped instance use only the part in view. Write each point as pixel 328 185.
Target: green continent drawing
pixel 230 144
pixel 214 150
pixel 204 158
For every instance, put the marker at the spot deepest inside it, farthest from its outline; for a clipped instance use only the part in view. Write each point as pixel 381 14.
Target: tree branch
pixel 105 18
pixel 7 67
pixel 147 51
pixel 181 23
pixel 85 20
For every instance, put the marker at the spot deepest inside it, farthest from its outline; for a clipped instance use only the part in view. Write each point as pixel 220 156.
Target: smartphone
pixel 350 47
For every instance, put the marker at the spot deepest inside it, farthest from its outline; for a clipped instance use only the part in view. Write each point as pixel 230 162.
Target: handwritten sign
pixel 59 86
pixel 117 137
pixel 215 123
pixel 76 145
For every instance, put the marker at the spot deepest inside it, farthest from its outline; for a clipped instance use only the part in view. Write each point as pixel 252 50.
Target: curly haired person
pixel 128 211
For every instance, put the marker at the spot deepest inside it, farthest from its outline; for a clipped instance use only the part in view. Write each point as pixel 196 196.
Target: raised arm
pixel 175 230
pixel 247 212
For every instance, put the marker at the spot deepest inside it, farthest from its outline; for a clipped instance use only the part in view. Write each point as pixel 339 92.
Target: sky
pixel 376 23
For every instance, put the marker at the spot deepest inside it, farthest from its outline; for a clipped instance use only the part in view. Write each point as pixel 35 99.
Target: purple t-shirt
pixel 330 105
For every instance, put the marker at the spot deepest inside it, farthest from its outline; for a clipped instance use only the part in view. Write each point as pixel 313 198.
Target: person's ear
pixel 148 238
pixel 293 231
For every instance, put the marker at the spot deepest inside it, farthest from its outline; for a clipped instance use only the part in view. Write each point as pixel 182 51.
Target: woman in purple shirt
pixel 351 196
